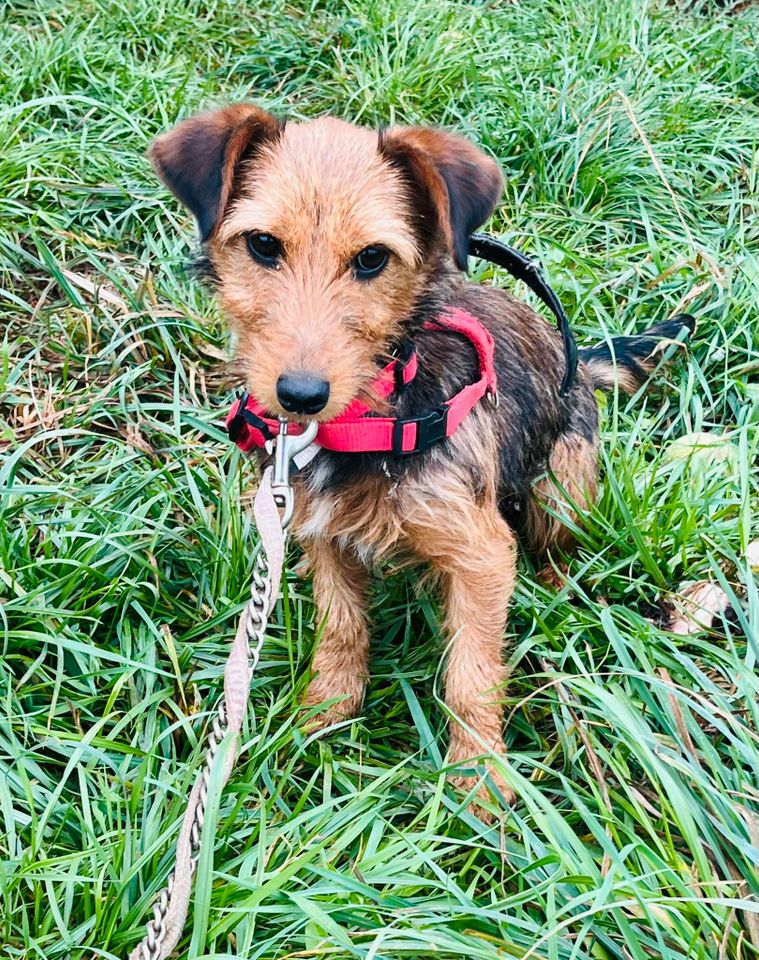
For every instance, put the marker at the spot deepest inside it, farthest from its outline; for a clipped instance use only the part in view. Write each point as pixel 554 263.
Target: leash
pixel 273 509
pixel 529 271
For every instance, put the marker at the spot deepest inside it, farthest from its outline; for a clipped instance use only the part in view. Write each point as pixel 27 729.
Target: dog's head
pixel 323 236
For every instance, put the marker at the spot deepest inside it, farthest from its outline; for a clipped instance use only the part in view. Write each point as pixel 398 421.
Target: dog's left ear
pixel 456 185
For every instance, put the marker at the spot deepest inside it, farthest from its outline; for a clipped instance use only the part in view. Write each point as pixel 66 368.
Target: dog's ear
pixel 197 158
pixel 456 185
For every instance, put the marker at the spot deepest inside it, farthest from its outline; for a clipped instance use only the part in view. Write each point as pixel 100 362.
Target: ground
pixel 628 133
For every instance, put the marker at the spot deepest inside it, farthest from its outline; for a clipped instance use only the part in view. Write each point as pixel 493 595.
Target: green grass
pixel 628 133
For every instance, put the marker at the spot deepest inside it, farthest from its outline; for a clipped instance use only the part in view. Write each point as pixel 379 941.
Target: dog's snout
pixel 302 392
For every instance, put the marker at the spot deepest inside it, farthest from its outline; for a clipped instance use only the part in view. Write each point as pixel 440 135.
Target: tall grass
pixel 628 134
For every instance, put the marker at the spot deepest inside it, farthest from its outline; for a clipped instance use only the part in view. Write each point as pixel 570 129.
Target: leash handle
pixel 529 271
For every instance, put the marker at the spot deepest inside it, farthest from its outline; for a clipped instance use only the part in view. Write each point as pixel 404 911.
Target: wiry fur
pixel 326 190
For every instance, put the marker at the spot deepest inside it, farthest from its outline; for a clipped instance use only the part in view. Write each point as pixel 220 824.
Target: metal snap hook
pixel 286 447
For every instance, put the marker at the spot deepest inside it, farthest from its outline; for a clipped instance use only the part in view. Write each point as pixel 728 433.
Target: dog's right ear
pixel 197 158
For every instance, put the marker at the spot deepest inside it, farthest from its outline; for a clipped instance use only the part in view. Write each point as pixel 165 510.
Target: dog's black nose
pixel 302 392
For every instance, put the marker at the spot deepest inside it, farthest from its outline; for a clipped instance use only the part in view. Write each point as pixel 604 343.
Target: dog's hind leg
pixel 341 662
pixel 560 496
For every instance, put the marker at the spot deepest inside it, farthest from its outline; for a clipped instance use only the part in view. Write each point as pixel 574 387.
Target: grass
pixel 628 132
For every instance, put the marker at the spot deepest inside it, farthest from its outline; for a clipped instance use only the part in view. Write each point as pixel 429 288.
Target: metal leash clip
pixel 285 447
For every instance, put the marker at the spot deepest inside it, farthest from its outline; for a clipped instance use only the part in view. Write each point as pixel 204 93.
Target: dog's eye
pixel 265 248
pixel 370 261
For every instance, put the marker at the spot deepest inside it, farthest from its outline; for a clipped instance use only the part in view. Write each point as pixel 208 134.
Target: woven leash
pixel 274 495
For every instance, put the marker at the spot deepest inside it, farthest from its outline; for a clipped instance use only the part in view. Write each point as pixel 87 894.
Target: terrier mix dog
pixel 331 245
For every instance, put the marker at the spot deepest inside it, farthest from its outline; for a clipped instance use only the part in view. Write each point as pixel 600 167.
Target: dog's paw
pixel 553 578
pixel 485 798
pixel 461 756
pixel 321 713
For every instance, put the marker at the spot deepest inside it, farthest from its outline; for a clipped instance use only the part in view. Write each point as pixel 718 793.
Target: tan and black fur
pixel 326 190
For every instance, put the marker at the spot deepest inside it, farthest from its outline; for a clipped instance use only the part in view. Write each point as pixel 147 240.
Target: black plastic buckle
pixel 236 423
pixel 245 416
pixel 431 427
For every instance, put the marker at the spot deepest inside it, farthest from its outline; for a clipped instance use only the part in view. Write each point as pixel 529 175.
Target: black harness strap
pixel 528 270
pixel 243 416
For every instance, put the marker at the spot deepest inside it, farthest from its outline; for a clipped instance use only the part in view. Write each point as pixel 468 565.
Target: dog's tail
pixel 627 362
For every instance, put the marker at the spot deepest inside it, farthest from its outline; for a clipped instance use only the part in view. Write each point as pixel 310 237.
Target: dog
pixel 330 244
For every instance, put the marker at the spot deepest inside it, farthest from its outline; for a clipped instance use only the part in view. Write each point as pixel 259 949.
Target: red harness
pixel 359 430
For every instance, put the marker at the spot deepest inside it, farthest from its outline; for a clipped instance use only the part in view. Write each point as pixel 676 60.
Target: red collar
pixel 358 430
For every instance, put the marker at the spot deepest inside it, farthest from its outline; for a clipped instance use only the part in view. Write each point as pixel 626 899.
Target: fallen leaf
pixel 695 605
pixel 702 447
pixel 752 555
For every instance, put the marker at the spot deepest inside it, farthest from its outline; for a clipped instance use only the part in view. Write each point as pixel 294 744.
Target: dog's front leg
pixel 341 662
pixel 474 552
